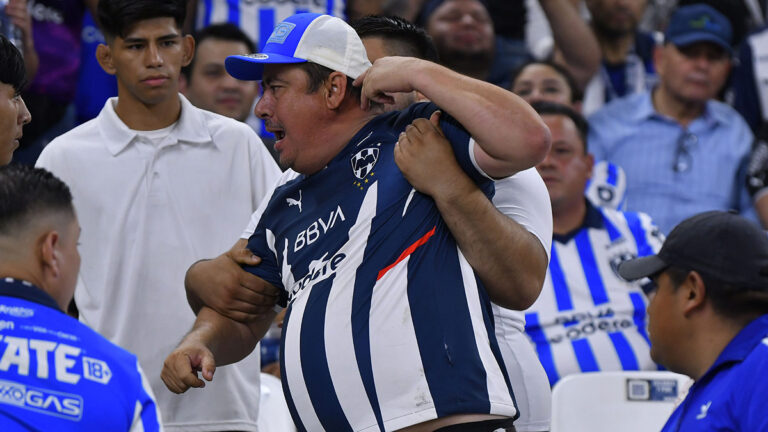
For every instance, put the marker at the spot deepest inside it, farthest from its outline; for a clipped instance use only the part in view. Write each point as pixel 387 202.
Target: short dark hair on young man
pixel 226 32
pixel 12 70
pixel 406 39
pixel 117 17
pixel 551 108
pixel 26 193
pixel 576 95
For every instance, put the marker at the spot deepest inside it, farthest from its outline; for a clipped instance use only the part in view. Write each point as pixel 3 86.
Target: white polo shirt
pixel 149 207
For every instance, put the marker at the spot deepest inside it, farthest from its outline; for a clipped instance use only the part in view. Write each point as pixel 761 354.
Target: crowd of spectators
pixel 657 110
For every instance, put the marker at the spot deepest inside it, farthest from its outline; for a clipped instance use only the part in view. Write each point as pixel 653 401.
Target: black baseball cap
pixel 722 245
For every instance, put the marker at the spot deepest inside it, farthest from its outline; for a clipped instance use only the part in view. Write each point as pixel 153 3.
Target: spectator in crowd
pixel 709 319
pixel 96 385
pixel 362 390
pixel 537 81
pixel 158 184
pixel 683 152
pixel 464 34
pixel 750 82
pixel 17 14
pixel 627 52
pixel 206 83
pixel 757 175
pixel 13 112
pixel 56 27
pixel 587 318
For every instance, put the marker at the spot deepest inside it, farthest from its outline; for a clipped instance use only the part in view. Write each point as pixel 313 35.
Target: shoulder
pixel 618 110
pixel 729 117
pixel 85 135
pixel 222 126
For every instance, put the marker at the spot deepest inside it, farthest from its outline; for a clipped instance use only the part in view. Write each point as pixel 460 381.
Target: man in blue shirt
pixel 57 374
pixel 709 319
pixel 682 151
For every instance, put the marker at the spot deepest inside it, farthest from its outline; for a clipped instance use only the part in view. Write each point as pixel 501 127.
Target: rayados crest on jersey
pixel 364 161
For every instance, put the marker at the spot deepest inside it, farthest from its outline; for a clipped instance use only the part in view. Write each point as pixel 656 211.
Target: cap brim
pixel 641 267
pixel 251 67
pixel 692 38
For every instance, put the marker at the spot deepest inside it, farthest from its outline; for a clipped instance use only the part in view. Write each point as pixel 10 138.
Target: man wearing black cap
pixel 709 319
pixel 681 149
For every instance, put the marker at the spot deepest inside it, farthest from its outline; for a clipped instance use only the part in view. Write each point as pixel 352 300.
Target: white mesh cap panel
pixel 330 42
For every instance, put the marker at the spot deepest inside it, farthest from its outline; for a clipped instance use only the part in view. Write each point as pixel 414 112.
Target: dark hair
pixel 117 17
pixel 317 74
pixel 430 6
pixel 576 95
pixel 226 32
pixel 26 193
pixel 733 302
pixel 12 70
pixel 404 38
pixel 551 108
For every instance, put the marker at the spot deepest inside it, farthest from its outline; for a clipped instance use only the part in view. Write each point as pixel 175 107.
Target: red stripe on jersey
pixel 407 252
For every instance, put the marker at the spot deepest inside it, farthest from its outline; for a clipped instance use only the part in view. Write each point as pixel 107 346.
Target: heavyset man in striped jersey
pixel 388 326
pixel 587 317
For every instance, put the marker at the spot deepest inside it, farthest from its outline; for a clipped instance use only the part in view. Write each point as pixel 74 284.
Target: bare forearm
pixel 509 260
pixel 577 48
pixel 228 340
pixel 506 128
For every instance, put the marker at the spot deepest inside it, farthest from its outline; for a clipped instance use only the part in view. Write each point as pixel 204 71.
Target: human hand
pixel 17 11
pixel 182 365
pixel 387 75
pixel 225 287
pixel 426 159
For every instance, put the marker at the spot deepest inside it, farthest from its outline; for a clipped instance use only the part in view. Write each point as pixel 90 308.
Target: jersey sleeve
pixel 146 414
pixel 524 198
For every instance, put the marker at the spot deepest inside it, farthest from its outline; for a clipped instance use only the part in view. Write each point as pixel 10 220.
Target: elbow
pixel 521 295
pixel 539 141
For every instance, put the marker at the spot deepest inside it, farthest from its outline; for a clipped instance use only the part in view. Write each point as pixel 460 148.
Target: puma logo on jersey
pixel 293 202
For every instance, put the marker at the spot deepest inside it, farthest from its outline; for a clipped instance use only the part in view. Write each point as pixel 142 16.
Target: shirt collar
pixel 645 110
pixel 190 128
pixel 740 346
pixel 592 219
pixel 10 287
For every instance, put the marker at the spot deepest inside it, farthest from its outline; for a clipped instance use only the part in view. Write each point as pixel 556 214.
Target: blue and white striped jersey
pixel 258 18
pixel 56 374
pixel 387 325
pixel 587 317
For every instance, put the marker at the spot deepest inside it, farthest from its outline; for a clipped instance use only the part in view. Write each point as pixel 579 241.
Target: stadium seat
pixel 273 410
pixel 630 401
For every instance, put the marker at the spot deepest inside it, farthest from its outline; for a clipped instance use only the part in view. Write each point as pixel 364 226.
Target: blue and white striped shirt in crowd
pixel 387 325
pixel 674 172
pixel 587 317
pixel 608 186
pixel 56 374
pixel 258 18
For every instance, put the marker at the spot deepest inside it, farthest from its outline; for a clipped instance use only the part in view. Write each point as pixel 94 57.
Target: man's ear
pixel 335 89
pixel 695 292
pixel 48 253
pixel 104 56
pixel 188 45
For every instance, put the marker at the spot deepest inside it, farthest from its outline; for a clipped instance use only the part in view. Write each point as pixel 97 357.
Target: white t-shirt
pixel 149 207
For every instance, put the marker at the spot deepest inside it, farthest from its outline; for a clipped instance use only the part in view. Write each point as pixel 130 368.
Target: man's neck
pixel 568 217
pixel 681 111
pixel 615 48
pixel 140 116
pixel 709 342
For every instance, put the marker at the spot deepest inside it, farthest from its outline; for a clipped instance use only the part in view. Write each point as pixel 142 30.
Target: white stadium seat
pixel 629 401
pixel 273 410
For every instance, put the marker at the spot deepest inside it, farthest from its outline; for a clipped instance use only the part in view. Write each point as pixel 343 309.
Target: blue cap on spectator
pixel 699 23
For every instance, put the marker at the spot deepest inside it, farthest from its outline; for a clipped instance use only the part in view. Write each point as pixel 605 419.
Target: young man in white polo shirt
pixel 159 184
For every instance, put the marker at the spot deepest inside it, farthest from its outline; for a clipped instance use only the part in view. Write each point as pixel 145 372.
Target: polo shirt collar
pixel 10 287
pixel 645 110
pixel 743 344
pixel 190 128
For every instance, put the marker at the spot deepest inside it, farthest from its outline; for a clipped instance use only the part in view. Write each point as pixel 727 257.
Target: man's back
pixel 57 374
pixel 150 205
pixel 386 322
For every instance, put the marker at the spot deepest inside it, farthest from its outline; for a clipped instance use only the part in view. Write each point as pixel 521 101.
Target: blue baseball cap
pixel 306 37
pixel 699 23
